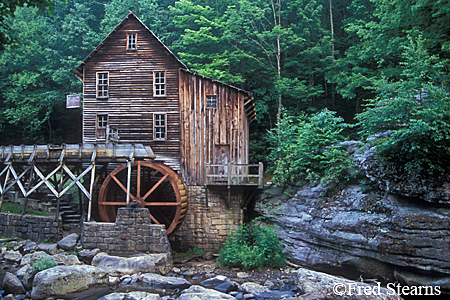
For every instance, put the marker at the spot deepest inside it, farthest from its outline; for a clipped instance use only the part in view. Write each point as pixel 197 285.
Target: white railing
pixel 234 174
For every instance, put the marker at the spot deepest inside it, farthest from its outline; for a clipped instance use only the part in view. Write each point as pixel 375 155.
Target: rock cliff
pixel 392 234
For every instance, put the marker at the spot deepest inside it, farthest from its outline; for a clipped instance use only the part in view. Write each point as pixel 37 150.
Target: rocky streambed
pixel 89 274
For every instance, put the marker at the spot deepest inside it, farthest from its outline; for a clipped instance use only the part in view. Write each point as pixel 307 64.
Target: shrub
pixel 252 247
pixel 306 148
pixel 44 263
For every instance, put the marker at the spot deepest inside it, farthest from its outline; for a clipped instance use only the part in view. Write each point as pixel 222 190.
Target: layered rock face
pixel 373 235
pixel 401 232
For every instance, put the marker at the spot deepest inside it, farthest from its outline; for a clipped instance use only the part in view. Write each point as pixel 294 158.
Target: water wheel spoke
pixel 155 186
pixel 154 219
pixel 166 220
pixel 161 203
pixel 122 186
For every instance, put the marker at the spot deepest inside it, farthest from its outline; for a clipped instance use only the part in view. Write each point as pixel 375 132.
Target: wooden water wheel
pixel 153 186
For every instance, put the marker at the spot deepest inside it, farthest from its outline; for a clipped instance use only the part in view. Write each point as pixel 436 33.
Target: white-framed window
pixel 100 127
pixel 132 41
pixel 159 127
pixel 211 101
pixel 102 84
pixel 159 83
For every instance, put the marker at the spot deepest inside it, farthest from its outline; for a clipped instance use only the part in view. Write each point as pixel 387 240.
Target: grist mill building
pixel 197 180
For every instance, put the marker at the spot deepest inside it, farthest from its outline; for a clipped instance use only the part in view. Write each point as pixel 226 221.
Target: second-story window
pixel 211 101
pixel 132 41
pixel 159 83
pixel 159 127
pixel 102 84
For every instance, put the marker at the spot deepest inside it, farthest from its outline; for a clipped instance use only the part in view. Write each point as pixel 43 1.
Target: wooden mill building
pixel 135 90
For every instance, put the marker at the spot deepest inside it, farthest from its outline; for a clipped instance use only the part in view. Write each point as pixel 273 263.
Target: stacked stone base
pixel 133 232
pixel 209 220
pixel 34 228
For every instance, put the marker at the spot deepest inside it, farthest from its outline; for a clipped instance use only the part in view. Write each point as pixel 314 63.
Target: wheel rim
pixel 153 186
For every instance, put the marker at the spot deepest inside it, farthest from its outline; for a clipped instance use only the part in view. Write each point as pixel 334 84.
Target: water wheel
pixel 153 186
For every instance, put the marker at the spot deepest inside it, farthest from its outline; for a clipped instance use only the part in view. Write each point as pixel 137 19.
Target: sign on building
pixel 73 101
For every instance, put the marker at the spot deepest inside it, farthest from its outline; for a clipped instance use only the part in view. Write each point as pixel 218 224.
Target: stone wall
pixel 210 220
pixel 131 233
pixel 34 228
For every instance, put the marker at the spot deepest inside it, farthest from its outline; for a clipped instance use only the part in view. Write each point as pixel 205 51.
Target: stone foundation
pixel 34 228
pixel 208 221
pixel 133 232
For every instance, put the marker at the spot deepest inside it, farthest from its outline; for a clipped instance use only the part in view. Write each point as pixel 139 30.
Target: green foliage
pixel 415 111
pixel 252 247
pixel 44 263
pixel 306 148
pixel 16 208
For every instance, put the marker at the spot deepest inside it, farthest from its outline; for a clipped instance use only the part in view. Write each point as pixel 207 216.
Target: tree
pixel 413 112
pixel 7 10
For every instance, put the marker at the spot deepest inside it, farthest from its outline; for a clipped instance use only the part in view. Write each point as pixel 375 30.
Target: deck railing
pixel 234 174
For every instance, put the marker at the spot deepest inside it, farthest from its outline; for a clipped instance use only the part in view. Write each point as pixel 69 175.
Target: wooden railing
pixel 234 174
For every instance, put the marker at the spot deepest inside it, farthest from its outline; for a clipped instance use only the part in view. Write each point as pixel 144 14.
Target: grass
pixel 16 208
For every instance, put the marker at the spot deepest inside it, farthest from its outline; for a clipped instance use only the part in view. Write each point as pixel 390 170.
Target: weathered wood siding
pixel 207 132
pixel 131 104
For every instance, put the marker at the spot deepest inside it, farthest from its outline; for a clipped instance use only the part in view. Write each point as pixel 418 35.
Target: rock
pixel 269 284
pixel 241 275
pixel 17 246
pixel 361 233
pixel 113 280
pixel 227 286
pixel 86 255
pixel 29 246
pixel 12 255
pixel 9 297
pixel 164 282
pixel 317 285
pixel 411 279
pixel 67 260
pixel 11 284
pixel 131 296
pixel 26 276
pixel 69 242
pixel 262 292
pixel 197 292
pixel 30 259
pixel 63 280
pixel 213 282
pixel 2 252
pixel 48 248
pixel 152 263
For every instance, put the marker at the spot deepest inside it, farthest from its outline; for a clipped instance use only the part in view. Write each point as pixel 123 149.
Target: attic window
pixel 211 101
pixel 159 83
pixel 131 41
pixel 102 84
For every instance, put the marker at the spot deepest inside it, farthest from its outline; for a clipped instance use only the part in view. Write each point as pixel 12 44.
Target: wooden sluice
pixel 60 167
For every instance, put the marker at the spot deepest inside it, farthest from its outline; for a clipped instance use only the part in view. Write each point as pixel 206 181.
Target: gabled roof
pixel 78 71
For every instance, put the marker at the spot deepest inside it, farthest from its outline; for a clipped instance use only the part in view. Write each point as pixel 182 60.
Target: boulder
pixel 227 286
pixel 151 263
pixel 66 259
pixel 262 292
pixel 31 258
pixel 197 292
pixel 131 296
pixel 69 242
pixel 11 284
pixel 86 255
pixel 29 246
pixel 358 233
pixel 48 248
pixel 62 280
pixel 26 276
pixel 13 255
pixel 213 282
pixel 317 285
pixel 164 282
